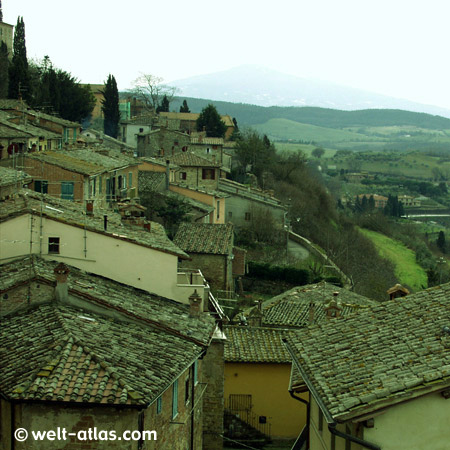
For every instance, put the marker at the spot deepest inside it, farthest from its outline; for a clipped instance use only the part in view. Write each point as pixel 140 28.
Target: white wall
pixel 128 263
pixel 422 423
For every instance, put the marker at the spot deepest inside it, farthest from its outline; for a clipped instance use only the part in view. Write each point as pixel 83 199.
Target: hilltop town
pixel 200 284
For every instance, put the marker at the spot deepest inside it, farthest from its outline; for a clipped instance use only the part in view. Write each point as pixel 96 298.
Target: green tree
pixel 255 153
pixel 164 106
pixel 1 12
pixel 184 108
pixel 440 242
pixel 110 107
pixel 318 152
pixel 209 119
pixel 4 66
pixel 19 77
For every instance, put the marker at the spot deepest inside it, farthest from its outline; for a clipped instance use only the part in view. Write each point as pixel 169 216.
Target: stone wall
pixel 213 400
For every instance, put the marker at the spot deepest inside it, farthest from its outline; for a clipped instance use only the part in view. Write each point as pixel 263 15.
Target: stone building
pixel 162 142
pixel 379 379
pixel 83 352
pixel 210 247
pixel 82 175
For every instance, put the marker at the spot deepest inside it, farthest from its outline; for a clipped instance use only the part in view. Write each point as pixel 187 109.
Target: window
pixel 208 174
pixel 100 184
pixel 248 216
pixel 218 209
pixel 195 370
pixel 186 390
pixel 320 426
pixel 53 245
pixel 230 215
pixel 174 399
pixel 158 405
pixel 208 151
pixel 176 143
pixel 94 189
pixel 41 186
pixel 183 175
pixel 333 442
pixel 67 188
pixel 184 148
pixel 130 179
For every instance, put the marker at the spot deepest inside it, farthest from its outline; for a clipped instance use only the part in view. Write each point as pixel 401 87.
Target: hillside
pixel 369 129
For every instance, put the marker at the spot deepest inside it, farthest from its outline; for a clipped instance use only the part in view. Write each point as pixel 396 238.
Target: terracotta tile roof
pixel 255 345
pixel 188 159
pixel 291 309
pixel 131 302
pixel 151 181
pixel 72 213
pixel 87 162
pixel 88 348
pixel 58 353
pixel 11 176
pixel 10 131
pixel 386 354
pixel 7 126
pixel 193 117
pixel 11 104
pixel 209 238
pixel 196 140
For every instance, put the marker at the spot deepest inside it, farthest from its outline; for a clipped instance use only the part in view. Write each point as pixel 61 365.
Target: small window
pixel 176 143
pixel 195 370
pixel 41 186
pixel 184 148
pixel 320 420
pixel 174 399
pixel 208 174
pixel 230 215
pixel 141 130
pixel 158 405
pixel 183 175
pixel 53 245
pixel 208 151
pixel 100 184
pixel 248 216
pixel 186 390
pixel 218 209
pixel 130 179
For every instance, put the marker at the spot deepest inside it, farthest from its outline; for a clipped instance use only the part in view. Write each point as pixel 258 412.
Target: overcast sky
pixel 394 47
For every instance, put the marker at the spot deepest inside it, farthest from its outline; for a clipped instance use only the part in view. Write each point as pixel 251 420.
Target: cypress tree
pixel 110 107
pixel 1 12
pixel 4 66
pixel 164 106
pixel 184 108
pixel 19 77
pixel 210 119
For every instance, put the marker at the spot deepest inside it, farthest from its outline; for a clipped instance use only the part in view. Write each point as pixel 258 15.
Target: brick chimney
pixel 255 316
pixel 397 291
pixel 333 309
pixel 61 272
pixel 195 304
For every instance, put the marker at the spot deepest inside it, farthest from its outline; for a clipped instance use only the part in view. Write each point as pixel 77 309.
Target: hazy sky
pixel 394 47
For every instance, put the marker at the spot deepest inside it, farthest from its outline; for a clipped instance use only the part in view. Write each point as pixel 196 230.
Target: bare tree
pixel 151 90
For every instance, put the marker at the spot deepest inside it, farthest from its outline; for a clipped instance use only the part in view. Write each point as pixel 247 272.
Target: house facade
pixel 162 142
pixel 246 204
pixel 84 175
pixel 72 355
pixel 210 247
pixel 64 231
pixel 379 379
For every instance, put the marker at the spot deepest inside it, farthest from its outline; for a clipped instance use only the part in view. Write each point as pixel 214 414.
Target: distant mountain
pixel 265 87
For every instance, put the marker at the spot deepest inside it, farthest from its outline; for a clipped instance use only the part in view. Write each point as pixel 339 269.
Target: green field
pixel 304 148
pixel 407 271
pixel 284 129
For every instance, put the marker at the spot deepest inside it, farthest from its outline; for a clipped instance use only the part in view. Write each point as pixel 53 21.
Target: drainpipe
pixel 332 424
pixel 308 413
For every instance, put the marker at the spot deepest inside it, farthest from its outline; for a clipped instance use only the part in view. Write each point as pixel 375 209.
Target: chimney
pixel 312 308
pixel 167 174
pixel 333 309
pixel 195 303
pixel 397 291
pixel 105 222
pixel 255 317
pixel 61 272
pixel 89 207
